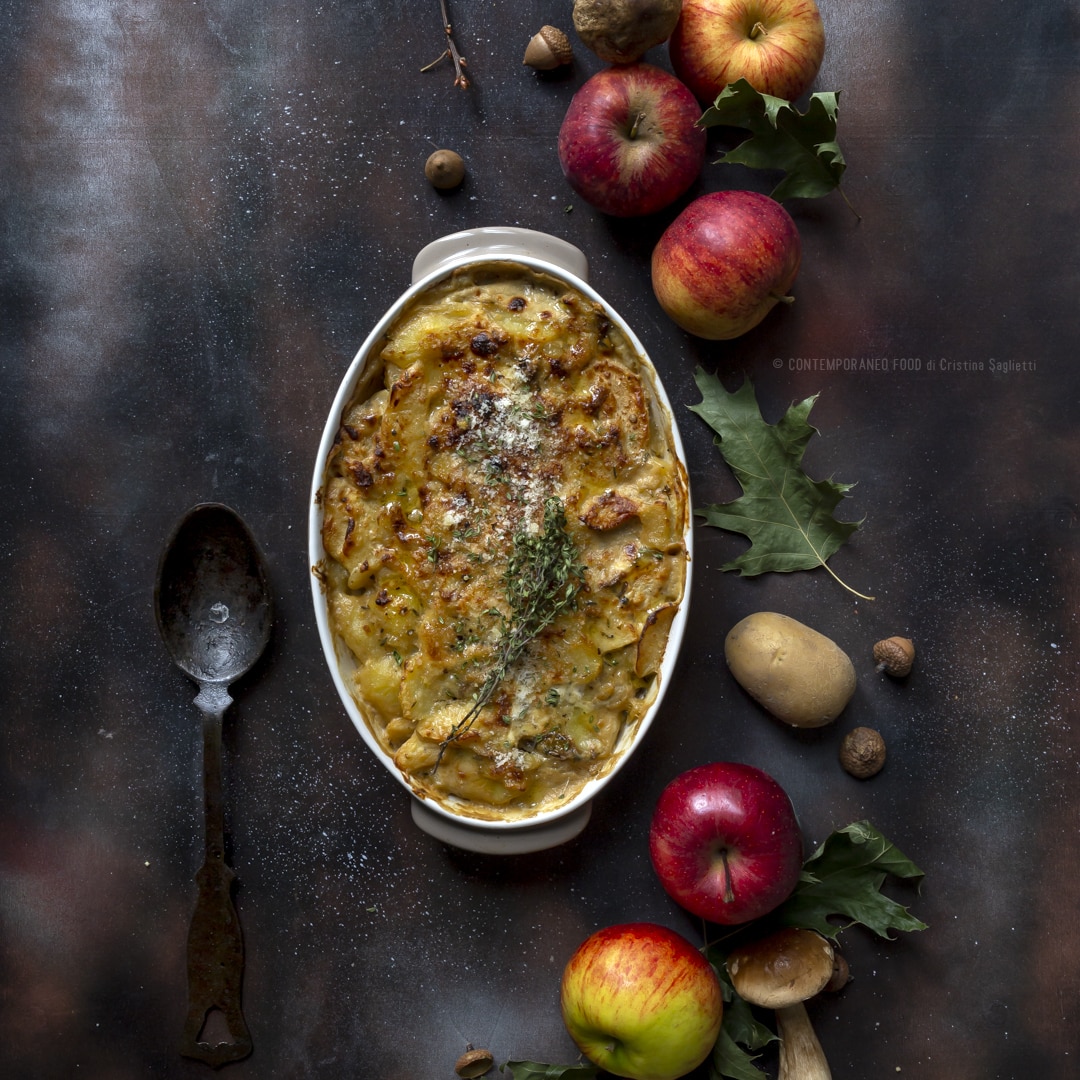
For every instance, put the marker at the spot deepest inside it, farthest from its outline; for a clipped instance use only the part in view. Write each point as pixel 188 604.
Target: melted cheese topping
pixel 500 388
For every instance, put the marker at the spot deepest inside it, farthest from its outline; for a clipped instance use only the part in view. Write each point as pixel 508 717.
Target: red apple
pixel 775 45
pixel 725 842
pixel 722 265
pixel 640 1001
pixel 630 143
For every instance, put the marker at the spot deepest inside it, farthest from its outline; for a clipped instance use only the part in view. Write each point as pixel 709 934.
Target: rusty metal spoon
pixel 213 609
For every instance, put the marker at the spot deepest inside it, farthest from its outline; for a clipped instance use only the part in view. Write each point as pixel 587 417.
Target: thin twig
pixel 451 50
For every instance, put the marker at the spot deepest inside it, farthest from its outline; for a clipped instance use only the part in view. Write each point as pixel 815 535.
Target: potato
pixel 801 677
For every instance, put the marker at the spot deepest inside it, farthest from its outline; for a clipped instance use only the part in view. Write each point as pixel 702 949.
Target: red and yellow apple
pixel 630 143
pixel 641 1002
pixel 725 262
pixel 725 842
pixel 775 45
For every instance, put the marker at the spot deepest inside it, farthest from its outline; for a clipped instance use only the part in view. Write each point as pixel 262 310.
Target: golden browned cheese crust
pixel 496 390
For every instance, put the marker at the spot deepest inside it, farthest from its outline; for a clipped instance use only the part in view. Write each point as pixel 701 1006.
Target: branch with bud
pixel 451 51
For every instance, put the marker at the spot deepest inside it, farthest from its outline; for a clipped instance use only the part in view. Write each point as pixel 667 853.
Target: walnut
pixel 862 752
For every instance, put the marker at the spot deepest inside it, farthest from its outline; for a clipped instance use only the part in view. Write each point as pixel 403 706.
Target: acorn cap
pixel 474 1063
pixel 782 969
pixel 548 48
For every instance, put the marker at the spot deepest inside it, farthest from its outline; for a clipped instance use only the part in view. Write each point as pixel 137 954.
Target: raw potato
pixel 801 677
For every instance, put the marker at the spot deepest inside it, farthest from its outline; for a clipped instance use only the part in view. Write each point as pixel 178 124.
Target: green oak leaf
pixel 843 879
pixel 730 1060
pixel 740 1028
pixel 787 516
pixel 802 145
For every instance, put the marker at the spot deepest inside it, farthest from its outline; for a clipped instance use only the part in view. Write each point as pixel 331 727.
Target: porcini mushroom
pixel 780 972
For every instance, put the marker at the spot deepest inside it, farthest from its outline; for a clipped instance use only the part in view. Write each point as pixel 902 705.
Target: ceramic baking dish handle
pixel 499 241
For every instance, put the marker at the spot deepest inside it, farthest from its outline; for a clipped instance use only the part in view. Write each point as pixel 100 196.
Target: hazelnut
pixel 862 752
pixel 474 1063
pixel 895 656
pixel 445 169
pixel 841 974
pixel 549 48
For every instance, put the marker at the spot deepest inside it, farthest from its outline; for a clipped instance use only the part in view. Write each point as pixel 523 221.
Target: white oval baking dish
pixel 546 254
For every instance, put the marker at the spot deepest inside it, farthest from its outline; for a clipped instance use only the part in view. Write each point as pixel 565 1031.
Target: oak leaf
pixel 787 516
pixel 802 145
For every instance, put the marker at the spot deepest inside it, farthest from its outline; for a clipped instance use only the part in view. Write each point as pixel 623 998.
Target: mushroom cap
pixel 783 968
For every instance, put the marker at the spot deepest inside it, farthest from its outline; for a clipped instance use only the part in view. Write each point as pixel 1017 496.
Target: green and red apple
pixel 630 143
pixel 725 262
pixel 775 45
pixel 641 1002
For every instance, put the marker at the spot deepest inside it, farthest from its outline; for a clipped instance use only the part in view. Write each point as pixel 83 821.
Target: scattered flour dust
pixel 996 674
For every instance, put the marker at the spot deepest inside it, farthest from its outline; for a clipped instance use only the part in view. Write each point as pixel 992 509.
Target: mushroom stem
pixel 801 1056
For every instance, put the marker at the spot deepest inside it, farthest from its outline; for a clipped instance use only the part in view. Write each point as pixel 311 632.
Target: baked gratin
pixel 504 520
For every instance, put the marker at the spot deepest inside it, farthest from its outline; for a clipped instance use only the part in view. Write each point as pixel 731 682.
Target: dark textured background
pixel 204 207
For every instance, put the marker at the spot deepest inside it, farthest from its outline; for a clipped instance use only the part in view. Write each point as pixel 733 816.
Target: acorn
pixel 895 656
pixel 548 48
pixel 445 169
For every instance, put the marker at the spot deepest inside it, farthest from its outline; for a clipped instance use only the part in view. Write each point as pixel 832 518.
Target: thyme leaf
pixel 541 582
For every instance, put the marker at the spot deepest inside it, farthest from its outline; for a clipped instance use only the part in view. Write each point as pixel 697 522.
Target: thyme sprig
pixel 542 580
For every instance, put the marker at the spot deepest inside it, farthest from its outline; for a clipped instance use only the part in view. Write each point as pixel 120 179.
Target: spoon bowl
pixel 213 603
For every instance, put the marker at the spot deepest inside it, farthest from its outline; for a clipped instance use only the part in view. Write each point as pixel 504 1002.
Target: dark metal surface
pixel 204 209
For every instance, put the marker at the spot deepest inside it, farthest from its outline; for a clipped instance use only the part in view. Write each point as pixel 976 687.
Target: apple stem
pixel 758 30
pixel 634 127
pixel 785 299
pixel 729 893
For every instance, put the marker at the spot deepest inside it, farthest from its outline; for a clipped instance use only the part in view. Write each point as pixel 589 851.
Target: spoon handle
pixel 212 701
pixel 215 943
